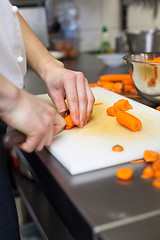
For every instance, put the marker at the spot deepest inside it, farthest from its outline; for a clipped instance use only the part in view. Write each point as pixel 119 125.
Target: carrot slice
pixel 124 173
pixel 123 105
pixel 156 182
pixel 137 161
pixel 157 174
pixel 158 108
pixel 148 172
pixel 129 121
pixel 69 122
pixel 150 156
pixel 117 148
pixel 97 104
pixel 93 84
pixel 156 165
pixel 112 111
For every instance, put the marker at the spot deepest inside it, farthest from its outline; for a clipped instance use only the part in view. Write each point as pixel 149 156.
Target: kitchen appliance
pixel 142 72
pixel 89 148
pixel 144 41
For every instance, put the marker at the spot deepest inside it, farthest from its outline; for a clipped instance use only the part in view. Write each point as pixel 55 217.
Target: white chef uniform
pixel 13 67
pixel 12 50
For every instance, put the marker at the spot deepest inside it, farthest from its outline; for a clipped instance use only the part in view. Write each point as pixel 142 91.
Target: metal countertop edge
pixel 122 222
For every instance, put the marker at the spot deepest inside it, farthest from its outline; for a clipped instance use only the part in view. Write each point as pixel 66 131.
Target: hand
pixel 35 118
pixel 71 85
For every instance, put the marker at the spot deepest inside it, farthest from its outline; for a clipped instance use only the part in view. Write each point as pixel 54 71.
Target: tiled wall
pixel 93 14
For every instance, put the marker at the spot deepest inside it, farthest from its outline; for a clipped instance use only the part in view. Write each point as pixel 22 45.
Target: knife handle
pixel 13 138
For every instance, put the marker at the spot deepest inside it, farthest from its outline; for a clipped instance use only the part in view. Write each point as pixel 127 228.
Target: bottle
pixel 105 44
pixel 67 13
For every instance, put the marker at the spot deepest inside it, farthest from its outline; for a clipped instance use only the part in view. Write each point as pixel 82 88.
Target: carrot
pixel 124 173
pixel 157 174
pixel 93 84
pixel 106 85
pixel 69 122
pixel 123 105
pixel 117 148
pixel 156 182
pixel 152 81
pixel 97 104
pixel 137 161
pixel 112 111
pixel 155 60
pixel 129 88
pixel 150 156
pixel 156 165
pixel 158 108
pixel 147 172
pixel 115 77
pixel 129 121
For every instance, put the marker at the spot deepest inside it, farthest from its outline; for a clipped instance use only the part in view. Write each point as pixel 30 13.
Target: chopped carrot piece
pixel 150 156
pixel 137 161
pixel 156 182
pixel 148 172
pixel 157 174
pixel 69 122
pixel 93 84
pixel 155 60
pixel 123 105
pixel 106 85
pixel 117 148
pixel 97 104
pixel 124 173
pixel 156 165
pixel 112 111
pixel 129 88
pixel 118 87
pixel 129 121
pixel 158 108
pixel 152 81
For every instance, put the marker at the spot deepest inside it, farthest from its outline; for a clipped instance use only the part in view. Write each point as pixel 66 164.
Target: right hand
pixel 35 118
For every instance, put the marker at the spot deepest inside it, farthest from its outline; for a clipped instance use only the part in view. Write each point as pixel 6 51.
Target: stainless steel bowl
pixel 146 75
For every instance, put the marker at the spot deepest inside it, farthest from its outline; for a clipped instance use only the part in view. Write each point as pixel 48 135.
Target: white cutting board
pixel 89 148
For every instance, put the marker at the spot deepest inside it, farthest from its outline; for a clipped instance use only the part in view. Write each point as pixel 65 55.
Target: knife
pixel 15 137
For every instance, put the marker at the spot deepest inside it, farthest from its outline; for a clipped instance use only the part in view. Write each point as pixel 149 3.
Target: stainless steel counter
pixel 95 205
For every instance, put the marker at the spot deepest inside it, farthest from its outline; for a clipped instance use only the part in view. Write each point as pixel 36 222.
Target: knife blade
pixel 15 137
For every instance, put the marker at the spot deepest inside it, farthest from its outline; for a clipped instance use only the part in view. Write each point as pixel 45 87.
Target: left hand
pixel 71 85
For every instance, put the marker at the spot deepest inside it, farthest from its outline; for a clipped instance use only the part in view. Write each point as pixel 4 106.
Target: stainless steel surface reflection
pixel 146 75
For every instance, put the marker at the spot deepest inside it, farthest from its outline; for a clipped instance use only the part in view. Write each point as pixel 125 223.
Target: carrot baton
pixel 123 105
pixel 69 122
pixel 129 121
pixel 112 111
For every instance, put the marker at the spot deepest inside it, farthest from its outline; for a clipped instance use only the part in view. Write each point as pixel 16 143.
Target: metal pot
pixel 145 41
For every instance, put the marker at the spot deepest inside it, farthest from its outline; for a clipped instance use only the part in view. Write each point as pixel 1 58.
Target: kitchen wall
pixel 93 14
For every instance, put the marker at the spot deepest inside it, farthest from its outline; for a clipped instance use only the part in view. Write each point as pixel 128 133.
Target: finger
pixel 29 145
pixel 58 98
pixel 82 98
pixel 59 124
pixel 72 97
pixel 91 100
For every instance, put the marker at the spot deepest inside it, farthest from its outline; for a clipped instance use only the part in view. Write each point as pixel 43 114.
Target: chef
pixel 25 112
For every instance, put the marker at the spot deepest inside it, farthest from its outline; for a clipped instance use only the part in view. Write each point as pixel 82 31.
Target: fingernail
pixel 82 123
pixel 76 120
